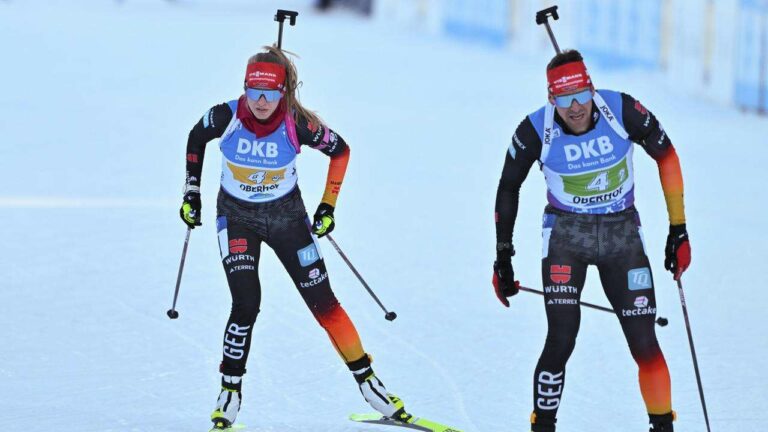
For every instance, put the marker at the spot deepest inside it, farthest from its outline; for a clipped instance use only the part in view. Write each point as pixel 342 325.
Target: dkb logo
pixel 587 150
pixel 257 148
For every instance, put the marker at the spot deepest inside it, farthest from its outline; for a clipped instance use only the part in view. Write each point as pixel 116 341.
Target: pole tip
pixel 662 321
pixel 390 316
pixel 172 314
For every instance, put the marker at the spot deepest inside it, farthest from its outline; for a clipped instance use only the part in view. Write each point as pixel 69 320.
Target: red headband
pixel 568 77
pixel 265 75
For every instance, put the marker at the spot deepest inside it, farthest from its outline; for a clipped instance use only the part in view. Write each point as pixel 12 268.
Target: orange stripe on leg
pixel 655 384
pixel 342 333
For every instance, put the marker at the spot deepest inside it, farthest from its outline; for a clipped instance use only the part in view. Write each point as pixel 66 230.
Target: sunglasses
pixel 581 97
pixel 269 95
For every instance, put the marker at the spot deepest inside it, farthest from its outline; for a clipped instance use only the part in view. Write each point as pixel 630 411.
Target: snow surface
pixel 97 99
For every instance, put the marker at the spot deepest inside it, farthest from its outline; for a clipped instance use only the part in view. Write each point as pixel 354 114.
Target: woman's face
pixel 261 108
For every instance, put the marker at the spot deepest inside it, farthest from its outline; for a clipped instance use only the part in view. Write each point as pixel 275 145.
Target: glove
pixel 323 220
pixel 504 282
pixel 678 251
pixel 190 208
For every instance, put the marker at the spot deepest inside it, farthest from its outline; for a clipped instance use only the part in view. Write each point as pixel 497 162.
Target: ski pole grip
pixel 281 15
pixel 544 14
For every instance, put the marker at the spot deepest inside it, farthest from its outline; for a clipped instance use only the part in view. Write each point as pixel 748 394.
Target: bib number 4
pixel 599 183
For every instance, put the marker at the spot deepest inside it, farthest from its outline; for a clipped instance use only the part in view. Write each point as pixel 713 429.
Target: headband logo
pixel 258 74
pixel 567 78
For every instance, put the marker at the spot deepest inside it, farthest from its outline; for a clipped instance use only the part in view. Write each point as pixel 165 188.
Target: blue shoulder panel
pixel 233 106
pixel 613 99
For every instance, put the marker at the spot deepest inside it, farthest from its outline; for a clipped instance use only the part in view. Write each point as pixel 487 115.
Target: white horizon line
pixel 83 202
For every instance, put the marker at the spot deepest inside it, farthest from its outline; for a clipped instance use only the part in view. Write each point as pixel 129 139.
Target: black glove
pixel 190 209
pixel 324 221
pixel 504 282
pixel 678 251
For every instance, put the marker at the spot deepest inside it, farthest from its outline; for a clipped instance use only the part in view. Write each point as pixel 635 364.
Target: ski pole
pixel 280 17
pixel 661 321
pixel 542 17
pixel 387 314
pixel 172 312
pixel 693 351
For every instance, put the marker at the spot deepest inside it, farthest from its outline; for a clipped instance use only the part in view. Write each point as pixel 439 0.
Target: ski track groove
pixel 172 328
pixel 455 392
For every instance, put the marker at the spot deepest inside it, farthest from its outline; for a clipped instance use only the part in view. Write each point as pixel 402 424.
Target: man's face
pixel 575 108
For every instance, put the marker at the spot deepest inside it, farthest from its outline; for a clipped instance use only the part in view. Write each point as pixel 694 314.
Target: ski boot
pixel 375 393
pixel 542 424
pixel 663 422
pixel 228 404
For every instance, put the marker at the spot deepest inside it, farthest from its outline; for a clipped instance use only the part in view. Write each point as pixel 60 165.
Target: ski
pixel 234 428
pixel 415 423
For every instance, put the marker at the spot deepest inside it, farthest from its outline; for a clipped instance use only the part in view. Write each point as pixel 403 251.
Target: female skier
pixel 259 201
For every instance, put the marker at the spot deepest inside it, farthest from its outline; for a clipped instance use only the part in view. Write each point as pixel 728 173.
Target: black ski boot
pixel 542 424
pixel 662 423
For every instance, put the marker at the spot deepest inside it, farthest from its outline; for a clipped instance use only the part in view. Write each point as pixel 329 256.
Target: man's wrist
pixel 504 251
pixel 502 246
pixel 677 229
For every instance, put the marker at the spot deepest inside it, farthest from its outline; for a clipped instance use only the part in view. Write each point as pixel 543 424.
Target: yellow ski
pixel 415 423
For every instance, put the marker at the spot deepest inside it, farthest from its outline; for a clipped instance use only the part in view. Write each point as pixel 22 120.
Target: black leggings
pixel 613 243
pixel 284 226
